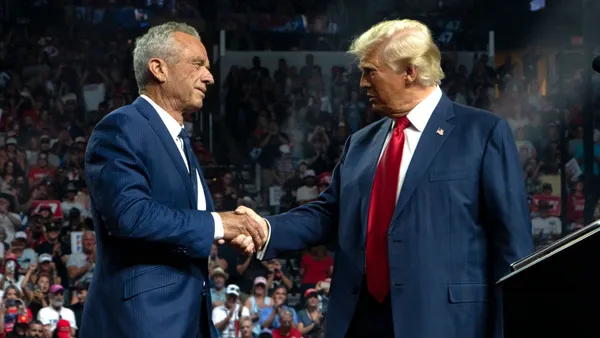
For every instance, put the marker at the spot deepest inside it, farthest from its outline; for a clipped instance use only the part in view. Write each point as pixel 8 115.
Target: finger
pixel 238 241
pixel 260 223
pixel 221 241
pixel 248 246
pixel 255 217
pixel 254 233
pixel 241 210
pixel 263 229
pixel 260 228
pixel 248 243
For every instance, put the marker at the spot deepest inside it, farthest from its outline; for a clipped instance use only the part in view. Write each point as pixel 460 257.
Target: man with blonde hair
pixel 428 204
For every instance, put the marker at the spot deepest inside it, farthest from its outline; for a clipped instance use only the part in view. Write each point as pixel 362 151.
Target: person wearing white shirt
pixel 153 214
pixel 227 315
pixel 50 315
pixel 427 206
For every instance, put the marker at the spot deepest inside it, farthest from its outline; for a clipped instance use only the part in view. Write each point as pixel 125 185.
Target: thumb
pixel 221 241
pixel 241 210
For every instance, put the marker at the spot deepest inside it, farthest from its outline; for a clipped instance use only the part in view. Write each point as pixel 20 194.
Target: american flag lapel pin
pixel 440 131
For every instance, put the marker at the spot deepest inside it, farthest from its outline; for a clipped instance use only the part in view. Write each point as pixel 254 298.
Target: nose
pixel 364 82
pixel 208 78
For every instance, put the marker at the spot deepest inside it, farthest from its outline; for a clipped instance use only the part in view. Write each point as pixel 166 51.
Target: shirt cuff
pixel 260 255
pixel 219 231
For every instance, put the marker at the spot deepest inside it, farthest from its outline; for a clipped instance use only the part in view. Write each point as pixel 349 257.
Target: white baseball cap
pixel 233 289
pixel 45 258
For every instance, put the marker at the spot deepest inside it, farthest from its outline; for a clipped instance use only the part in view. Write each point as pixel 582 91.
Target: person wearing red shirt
pixel 575 204
pixel 37 174
pixel 286 328
pixel 316 265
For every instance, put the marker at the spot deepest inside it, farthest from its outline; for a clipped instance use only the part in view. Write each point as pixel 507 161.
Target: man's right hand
pixel 242 210
pixel 236 225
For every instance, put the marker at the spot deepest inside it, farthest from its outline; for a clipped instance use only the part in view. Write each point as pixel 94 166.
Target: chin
pixel 196 105
pixel 376 108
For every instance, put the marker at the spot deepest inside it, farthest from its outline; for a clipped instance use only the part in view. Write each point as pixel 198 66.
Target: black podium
pixel 555 292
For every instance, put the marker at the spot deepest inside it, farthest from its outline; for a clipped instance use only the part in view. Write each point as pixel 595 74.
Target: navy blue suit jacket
pixel 152 244
pixel 461 219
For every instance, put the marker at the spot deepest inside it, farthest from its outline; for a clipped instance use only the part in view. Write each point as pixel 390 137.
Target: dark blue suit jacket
pixel 461 219
pixel 152 243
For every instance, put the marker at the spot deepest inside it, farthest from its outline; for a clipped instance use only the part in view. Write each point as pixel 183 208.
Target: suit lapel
pixel 371 158
pixel 429 144
pixel 163 134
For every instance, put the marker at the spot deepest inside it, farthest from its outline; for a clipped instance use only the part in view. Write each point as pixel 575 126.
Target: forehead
pixel 371 59
pixel 193 47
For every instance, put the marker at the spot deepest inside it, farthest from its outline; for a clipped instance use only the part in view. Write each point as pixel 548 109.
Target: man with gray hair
pixel 286 325
pixel 153 214
pixel 427 205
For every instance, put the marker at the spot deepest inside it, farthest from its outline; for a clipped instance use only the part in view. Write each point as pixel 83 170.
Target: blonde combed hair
pixel 404 42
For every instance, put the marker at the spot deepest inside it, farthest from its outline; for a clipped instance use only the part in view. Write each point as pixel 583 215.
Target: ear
pixel 411 74
pixel 158 68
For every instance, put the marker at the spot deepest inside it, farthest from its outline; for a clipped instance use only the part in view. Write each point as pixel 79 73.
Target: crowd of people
pixel 292 122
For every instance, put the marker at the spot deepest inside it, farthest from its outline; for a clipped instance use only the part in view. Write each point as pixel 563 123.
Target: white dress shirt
pixel 418 117
pixel 174 129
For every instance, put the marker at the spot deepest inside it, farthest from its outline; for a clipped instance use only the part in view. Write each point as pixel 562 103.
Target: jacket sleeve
pixel 120 191
pixel 505 210
pixel 310 224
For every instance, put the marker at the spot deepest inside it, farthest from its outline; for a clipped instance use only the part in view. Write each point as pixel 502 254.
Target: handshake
pixel 244 229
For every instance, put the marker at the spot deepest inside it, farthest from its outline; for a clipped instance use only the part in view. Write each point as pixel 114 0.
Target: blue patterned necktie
pixel 191 160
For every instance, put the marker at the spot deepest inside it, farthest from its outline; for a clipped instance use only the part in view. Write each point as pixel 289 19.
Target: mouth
pixel 203 91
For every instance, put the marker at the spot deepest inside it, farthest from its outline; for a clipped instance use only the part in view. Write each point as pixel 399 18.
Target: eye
pixel 368 71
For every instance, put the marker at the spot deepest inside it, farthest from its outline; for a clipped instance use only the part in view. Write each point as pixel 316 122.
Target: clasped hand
pixel 244 229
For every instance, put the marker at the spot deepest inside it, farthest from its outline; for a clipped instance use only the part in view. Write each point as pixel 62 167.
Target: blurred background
pixel 273 126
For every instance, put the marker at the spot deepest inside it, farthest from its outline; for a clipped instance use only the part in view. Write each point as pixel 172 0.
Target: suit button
pixel 180 251
pixel 355 290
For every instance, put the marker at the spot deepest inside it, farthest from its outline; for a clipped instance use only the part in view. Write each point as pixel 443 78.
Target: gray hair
pixel 286 312
pixel 157 43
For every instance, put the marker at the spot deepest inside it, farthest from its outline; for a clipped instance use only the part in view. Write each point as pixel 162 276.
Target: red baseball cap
pixel 10 257
pixel 310 292
pixel 63 329
pixel 325 178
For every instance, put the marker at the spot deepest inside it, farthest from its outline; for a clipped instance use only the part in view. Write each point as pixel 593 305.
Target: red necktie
pixel 383 202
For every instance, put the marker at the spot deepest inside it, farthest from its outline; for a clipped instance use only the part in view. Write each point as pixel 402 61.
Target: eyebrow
pixel 364 66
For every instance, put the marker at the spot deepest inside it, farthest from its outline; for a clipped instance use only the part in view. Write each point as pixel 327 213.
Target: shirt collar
pixel 420 114
pixel 172 125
